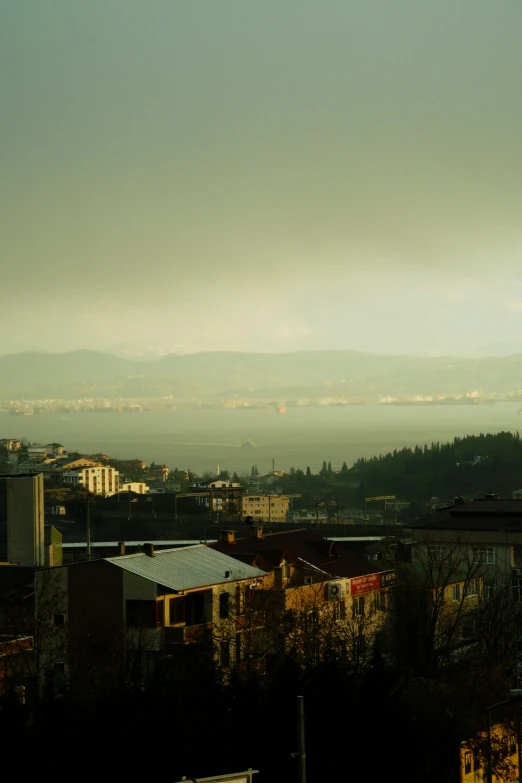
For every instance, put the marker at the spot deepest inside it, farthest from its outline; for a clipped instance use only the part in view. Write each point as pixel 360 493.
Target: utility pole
pixel 88 528
pixel 301 753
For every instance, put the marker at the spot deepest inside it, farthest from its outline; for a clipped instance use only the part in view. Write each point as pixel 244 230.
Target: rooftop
pixel 297 546
pixel 187 567
pixel 482 514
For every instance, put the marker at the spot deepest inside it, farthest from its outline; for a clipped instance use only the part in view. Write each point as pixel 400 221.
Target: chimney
pixel 149 549
pixel 227 536
pixel 278 578
pixel 257 531
pixel 121 548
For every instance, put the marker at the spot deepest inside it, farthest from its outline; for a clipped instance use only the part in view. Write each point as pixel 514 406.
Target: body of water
pixel 202 439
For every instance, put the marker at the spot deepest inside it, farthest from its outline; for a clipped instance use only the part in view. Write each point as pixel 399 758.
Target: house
pixel 117 618
pixel 138 487
pixel 158 472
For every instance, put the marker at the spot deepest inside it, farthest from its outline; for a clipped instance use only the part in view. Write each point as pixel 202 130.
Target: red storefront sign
pixel 363 584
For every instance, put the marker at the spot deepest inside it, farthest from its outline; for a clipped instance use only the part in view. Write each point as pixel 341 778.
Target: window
pixel 224 654
pixel 437 552
pixel 358 607
pixel 380 601
pixel 59 619
pixel 224 605
pixel 338 611
pixel 467 762
pixel 455 592
pixel 308 580
pixel 476 760
pixel 489 592
pixel 512 744
pixel 176 611
pixel 485 555
pixel 141 614
pixel 473 588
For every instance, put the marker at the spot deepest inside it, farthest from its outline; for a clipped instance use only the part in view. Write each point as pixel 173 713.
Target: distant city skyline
pixel 261 177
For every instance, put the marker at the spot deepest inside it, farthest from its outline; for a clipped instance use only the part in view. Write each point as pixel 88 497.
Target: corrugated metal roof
pixel 160 542
pixel 186 567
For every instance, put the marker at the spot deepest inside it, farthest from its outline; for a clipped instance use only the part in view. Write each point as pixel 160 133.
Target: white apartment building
pixel 99 479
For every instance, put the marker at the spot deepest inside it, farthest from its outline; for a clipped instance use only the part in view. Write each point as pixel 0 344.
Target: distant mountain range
pixel 215 374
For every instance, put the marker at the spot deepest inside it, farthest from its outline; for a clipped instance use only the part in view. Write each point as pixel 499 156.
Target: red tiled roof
pixel 295 546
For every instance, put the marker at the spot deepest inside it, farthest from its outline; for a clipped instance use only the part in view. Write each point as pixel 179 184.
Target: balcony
pixel 187 634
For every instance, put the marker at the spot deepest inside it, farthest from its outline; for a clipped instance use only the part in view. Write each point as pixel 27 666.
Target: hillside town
pixel 115 575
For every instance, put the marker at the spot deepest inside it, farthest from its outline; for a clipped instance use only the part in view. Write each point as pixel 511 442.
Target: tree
pixel 308 471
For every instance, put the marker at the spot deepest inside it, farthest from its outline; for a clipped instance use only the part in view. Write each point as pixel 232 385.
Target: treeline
pixel 468 466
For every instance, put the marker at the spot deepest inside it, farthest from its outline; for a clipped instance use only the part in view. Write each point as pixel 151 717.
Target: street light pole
pixel 301 752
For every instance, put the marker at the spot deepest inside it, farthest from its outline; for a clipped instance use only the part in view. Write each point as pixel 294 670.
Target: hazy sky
pixel 261 174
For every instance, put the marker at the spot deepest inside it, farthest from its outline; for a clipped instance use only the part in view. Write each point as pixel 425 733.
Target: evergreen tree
pixel 324 470
pixel 308 471
pixel 329 470
pixel 344 468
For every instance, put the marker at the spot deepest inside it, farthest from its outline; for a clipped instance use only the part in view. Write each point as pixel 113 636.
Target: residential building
pixel 139 487
pixel 131 611
pixel 219 495
pixel 158 472
pixel 486 531
pixel 97 479
pixel 265 508
pixel 22 519
pixel 505 756
pixel 10 444
pixel 317 594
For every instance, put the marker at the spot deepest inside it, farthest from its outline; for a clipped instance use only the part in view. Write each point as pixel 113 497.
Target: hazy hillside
pixel 89 373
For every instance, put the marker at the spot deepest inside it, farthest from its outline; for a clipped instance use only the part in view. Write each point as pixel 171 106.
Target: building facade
pixel 99 479
pixel 265 508
pixel 119 617
pixel 22 519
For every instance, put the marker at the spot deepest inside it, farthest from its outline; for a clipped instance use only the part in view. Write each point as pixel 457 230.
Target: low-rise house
pixel 158 472
pixel 139 487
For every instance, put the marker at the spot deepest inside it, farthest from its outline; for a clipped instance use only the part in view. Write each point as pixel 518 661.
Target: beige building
pixel 265 508
pixel 99 479
pixel 139 487
pixel 22 519
pixel 130 612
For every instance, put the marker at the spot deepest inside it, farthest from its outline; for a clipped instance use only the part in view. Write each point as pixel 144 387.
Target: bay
pixel 202 439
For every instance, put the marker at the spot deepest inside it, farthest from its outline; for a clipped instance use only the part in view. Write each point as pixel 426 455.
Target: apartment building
pixel 97 479
pixel 118 617
pixel 22 519
pixel 220 495
pixel 487 531
pixel 265 508
pixel 316 595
